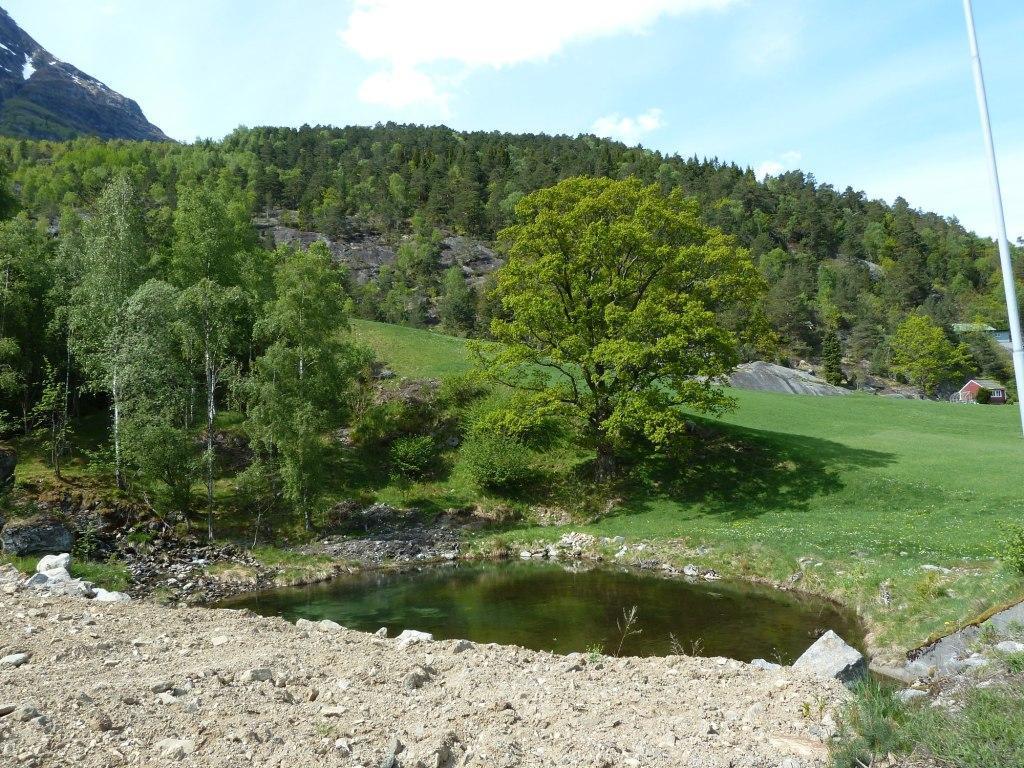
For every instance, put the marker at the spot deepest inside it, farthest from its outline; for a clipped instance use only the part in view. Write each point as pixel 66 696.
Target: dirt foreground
pixel 138 684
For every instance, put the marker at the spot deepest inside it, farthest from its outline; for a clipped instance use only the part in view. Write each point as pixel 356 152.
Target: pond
pixel 545 606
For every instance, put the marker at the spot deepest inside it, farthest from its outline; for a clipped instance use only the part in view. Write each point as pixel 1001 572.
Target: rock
pixel 712 575
pixel 908 695
pixel 101 722
pixel 106 596
pixel 6 709
pixel 219 640
pixel 329 626
pixel 162 686
pixel 52 562
pixel 411 637
pixel 1010 646
pixel 174 749
pixel 391 756
pixel 382 632
pixel 691 570
pixel 764 664
pixel 15 660
pixel 461 645
pixel 167 698
pixel 37 535
pixel 830 656
pixel 25 714
pixel 768 377
pixel 416 678
pixel 334 711
pixel 261 675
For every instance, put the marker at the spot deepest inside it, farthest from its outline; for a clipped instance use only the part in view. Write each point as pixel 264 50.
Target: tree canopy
pixel 615 299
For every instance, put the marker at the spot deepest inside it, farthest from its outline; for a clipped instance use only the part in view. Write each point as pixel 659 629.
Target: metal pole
pixel 1010 289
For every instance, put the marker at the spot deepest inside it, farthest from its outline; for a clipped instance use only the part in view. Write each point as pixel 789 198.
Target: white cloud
pixel 401 86
pixel 628 129
pixel 410 37
pixel 786 161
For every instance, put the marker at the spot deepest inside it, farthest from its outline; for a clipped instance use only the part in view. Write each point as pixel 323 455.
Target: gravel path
pixel 130 684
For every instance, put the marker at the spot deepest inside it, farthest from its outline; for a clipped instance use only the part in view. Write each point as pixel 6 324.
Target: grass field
pixel 866 489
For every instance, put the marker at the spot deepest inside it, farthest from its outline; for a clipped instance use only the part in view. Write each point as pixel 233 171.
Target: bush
pixel 1013 548
pixel 499 464
pixel 461 389
pixel 524 419
pixel 413 457
pixel 983 396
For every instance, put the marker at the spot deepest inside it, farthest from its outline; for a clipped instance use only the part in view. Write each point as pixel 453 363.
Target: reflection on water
pixel 547 607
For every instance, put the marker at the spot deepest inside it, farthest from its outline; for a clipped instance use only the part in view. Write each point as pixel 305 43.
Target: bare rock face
pixel 831 657
pixel 768 377
pixel 42 97
pixel 364 253
pixel 36 536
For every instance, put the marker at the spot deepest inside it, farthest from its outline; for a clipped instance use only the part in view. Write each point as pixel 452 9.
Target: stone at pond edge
pixel 52 562
pixel 830 656
pixel 38 535
pixel 764 664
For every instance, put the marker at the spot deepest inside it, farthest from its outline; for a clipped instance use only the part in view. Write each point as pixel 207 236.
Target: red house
pixel 969 392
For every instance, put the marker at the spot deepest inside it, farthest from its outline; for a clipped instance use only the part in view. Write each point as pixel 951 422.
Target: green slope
pixel 871 488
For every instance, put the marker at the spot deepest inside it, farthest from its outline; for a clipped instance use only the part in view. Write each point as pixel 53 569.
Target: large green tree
pixel 614 296
pixel 299 386
pixel 922 354
pixel 113 260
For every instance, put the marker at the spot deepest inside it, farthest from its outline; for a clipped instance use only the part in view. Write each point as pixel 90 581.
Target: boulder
pixel 830 656
pixel 110 596
pixel 36 536
pixel 764 664
pixel 51 562
pixel 412 636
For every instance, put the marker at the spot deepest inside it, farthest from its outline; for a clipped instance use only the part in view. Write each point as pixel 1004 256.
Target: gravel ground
pixel 135 683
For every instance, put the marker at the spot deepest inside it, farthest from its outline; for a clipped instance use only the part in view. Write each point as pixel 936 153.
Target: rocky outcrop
pixel 42 97
pixel 364 253
pixel 769 377
pixel 36 536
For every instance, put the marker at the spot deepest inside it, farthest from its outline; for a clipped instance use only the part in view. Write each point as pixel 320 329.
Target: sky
pixel 873 94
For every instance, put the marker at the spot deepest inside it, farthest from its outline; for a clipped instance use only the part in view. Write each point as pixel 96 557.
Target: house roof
pixel 987 383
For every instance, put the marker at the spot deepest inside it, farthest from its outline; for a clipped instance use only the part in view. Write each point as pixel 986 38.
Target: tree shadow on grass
pixel 739 473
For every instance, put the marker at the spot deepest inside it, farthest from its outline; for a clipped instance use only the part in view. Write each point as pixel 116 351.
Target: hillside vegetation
pixel 866 489
pixel 839 264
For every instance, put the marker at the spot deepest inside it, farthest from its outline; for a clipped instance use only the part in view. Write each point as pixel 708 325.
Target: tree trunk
pixel 210 414
pixel 604 466
pixel 116 395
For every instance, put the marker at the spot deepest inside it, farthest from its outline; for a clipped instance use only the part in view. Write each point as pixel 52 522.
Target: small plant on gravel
pixel 627 627
pixel 594 652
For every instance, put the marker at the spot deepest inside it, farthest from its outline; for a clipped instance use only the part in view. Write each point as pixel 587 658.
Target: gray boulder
pixel 1010 646
pixel 765 664
pixel 830 656
pixel 109 596
pixel 50 562
pixel 36 536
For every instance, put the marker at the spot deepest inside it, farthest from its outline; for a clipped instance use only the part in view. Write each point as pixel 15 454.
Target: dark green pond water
pixel 546 607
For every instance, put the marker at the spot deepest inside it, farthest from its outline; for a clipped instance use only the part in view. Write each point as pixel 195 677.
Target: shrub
pixel 1013 548
pixel 524 419
pixel 461 389
pixel 499 464
pixel 413 457
pixel 983 396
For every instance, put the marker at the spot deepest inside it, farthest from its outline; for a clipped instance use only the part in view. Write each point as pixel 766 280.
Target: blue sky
pixel 876 94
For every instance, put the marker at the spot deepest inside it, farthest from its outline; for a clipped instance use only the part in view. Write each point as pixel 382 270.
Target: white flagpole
pixel 1010 289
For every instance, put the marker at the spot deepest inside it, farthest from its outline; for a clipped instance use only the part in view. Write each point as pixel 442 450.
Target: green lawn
pixel 871 488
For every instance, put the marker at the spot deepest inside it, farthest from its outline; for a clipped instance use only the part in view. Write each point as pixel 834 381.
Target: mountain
pixel 42 97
